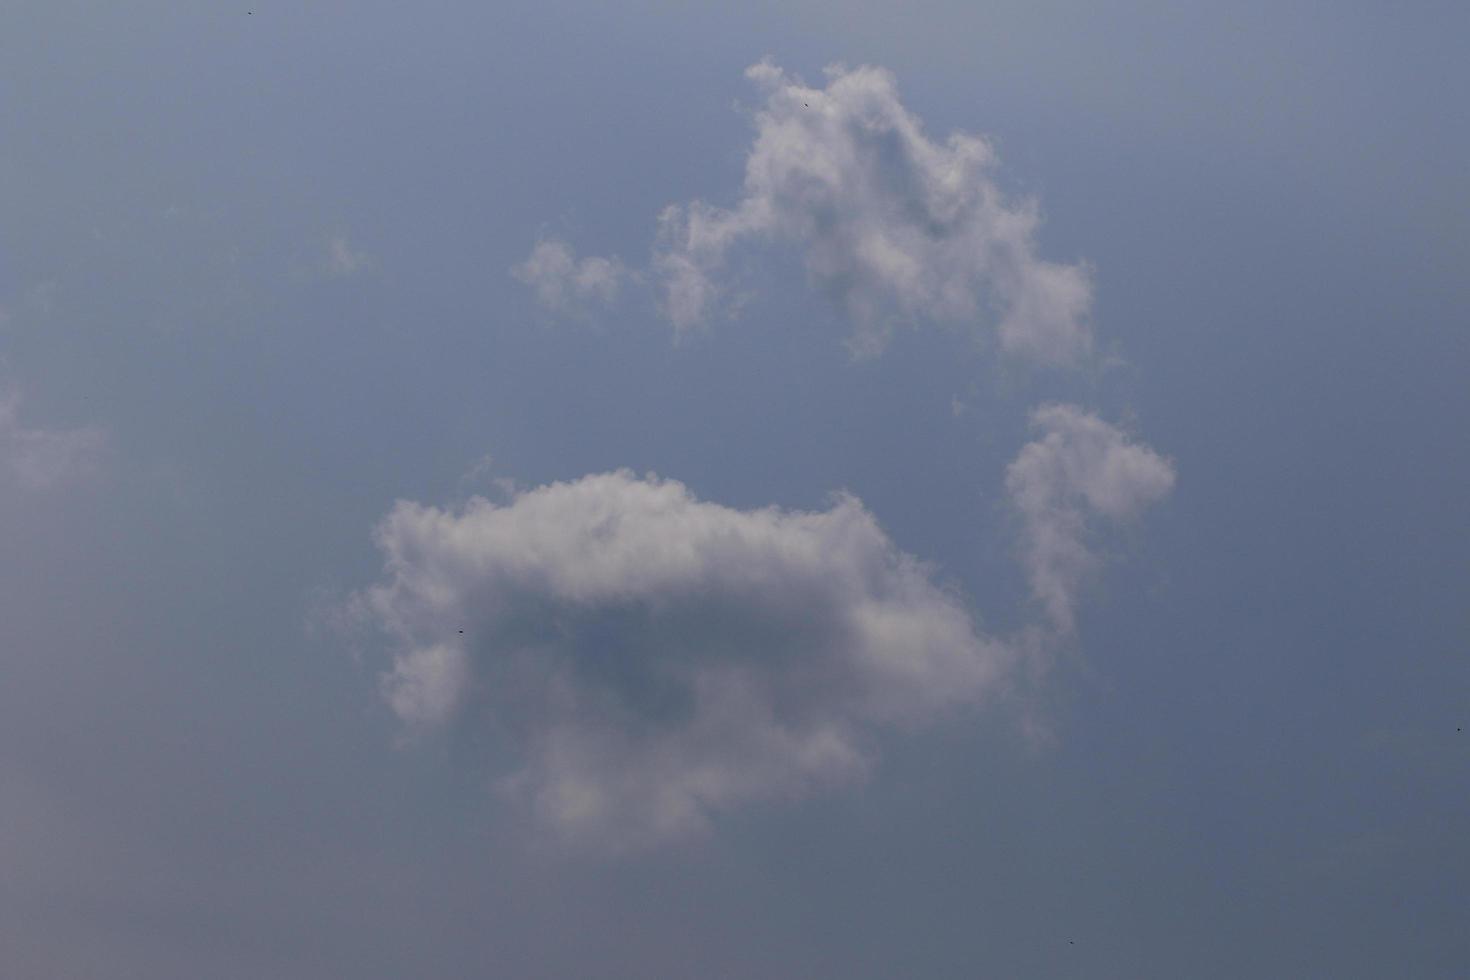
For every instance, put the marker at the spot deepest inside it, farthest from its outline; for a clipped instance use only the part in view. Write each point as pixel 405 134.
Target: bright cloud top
pixel 1080 466
pixel 891 224
pixel 37 459
pixel 565 285
pixel 653 659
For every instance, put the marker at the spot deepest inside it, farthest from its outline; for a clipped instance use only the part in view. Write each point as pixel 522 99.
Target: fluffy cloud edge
pixel 657 660
pixel 893 225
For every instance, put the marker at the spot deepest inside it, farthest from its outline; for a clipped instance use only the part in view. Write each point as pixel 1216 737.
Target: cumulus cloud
pixel 565 285
pixel 1080 466
pixel 38 459
pixel 890 222
pixel 653 660
pixel 894 225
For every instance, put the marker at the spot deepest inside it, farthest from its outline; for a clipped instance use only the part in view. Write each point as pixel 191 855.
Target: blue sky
pixel 1037 555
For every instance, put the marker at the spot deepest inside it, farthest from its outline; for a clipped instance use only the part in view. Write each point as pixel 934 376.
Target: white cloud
pixel 1080 466
pixel 566 286
pixel 890 222
pixel 893 225
pixel 653 660
pixel 41 458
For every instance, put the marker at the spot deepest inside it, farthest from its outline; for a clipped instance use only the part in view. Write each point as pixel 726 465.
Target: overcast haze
pixel 939 490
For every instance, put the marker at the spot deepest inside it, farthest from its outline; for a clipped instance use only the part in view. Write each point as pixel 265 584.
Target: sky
pixel 804 490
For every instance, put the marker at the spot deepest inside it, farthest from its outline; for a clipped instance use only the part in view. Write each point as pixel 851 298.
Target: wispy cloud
pixel 38 458
pixel 344 260
pixel 1079 468
pixel 566 286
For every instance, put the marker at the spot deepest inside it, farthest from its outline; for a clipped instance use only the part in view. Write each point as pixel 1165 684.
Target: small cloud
pixel 479 472
pixel 482 475
pixel 38 459
pixel 343 260
pixel 566 286
pixel 1080 467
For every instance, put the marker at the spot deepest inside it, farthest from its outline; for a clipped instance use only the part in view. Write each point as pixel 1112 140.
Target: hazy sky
pixel 555 490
